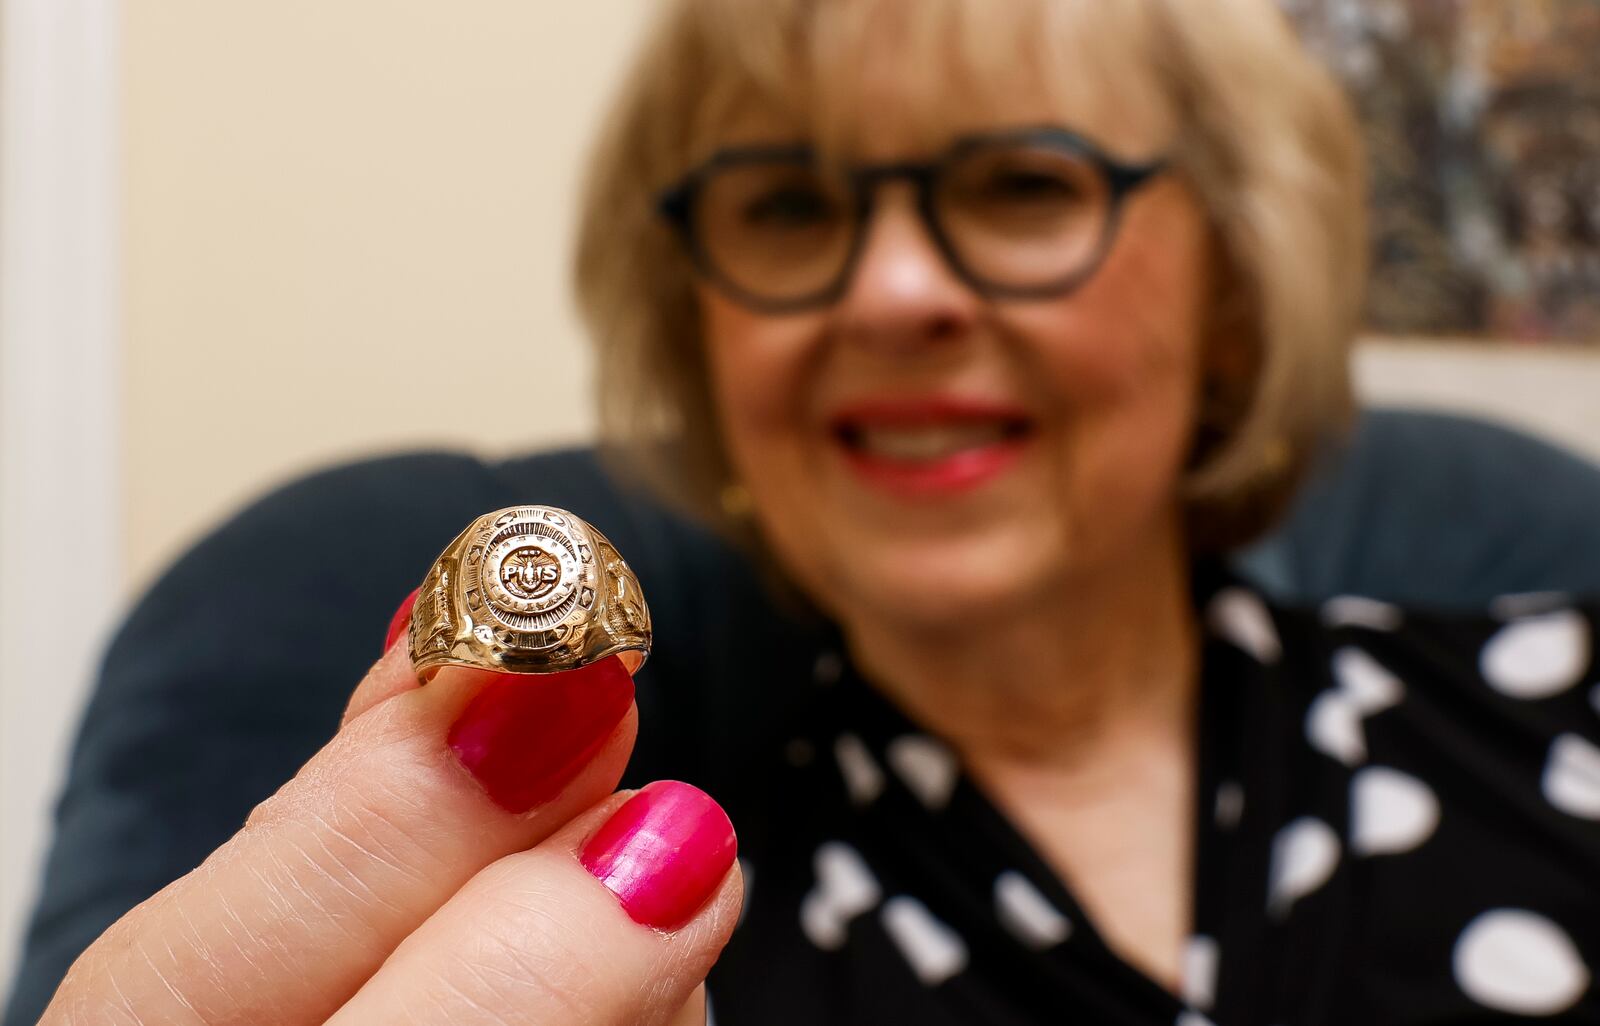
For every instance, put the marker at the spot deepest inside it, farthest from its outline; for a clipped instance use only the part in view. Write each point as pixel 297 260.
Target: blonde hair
pixel 1265 138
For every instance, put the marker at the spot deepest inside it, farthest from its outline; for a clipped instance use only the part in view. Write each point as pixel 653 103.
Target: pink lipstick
pixel 930 446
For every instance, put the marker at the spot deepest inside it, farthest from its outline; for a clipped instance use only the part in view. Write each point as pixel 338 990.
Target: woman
pixel 985 327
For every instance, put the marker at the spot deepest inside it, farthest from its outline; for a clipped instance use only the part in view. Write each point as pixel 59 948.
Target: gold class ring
pixel 528 589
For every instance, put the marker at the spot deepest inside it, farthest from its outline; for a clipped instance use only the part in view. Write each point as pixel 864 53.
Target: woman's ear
pixel 1232 361
pixel 1231 352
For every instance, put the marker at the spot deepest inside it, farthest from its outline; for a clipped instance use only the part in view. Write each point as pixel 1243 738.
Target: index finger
pixel 411 799
pixel 392 674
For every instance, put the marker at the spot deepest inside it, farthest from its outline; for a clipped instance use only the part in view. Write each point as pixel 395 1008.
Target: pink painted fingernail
pixel 526 736
pixel 401 621
pixel 663 853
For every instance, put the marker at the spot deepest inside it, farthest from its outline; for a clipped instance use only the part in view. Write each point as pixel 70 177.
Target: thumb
pixel 615 919
pixel 693 1012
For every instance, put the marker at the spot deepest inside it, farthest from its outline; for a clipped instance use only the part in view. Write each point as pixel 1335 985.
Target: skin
pixel 382 885
pixel 1040 623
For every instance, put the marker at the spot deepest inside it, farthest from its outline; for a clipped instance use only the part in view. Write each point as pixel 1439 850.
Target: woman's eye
pixel 1027 186
pixel 788 207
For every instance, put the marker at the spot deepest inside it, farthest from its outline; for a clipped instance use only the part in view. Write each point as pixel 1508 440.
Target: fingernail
pixel 663 853
pixel 401 620
pixel 525 736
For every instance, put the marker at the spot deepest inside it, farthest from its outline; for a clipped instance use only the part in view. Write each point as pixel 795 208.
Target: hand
pixel 455 855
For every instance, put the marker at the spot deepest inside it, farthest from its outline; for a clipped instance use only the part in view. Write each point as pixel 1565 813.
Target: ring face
pixel 530 573
pixel 529 589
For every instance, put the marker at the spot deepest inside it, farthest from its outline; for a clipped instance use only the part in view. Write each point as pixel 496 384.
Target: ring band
pixel 528 589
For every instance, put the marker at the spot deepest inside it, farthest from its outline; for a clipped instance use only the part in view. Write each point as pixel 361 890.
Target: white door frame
pixel 61 570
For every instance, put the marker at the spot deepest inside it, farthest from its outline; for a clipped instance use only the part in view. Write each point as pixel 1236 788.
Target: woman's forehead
pixel 881 79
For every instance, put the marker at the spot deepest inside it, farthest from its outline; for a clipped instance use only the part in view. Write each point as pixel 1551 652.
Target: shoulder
pixel 1497 709
pixel 1521 654
pixel 1518 647
pixel 1356 674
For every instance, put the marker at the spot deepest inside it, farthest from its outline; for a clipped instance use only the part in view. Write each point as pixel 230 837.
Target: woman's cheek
pixel 759 418
pixel 741 380
pixel 1119 372
pixel 758 371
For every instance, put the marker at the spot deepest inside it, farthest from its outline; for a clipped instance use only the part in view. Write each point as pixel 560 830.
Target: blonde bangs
pixel 806 64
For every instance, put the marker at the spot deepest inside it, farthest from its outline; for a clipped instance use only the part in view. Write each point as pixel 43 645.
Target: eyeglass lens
pixel 1015 215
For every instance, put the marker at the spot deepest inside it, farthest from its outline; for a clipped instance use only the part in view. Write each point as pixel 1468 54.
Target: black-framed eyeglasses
pixel 1018 214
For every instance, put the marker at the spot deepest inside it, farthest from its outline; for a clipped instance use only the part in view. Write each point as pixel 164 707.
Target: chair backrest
pixel 1434 510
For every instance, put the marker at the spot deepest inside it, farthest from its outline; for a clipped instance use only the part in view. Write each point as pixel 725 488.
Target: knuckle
pixel 347 763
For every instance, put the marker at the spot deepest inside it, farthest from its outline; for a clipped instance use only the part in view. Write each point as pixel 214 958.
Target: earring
pixel 735 500
pixel 1275 456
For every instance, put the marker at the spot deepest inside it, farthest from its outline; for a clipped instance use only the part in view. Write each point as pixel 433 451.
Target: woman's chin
pixel 936 587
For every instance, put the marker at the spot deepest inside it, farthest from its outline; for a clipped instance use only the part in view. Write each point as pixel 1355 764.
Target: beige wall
pixel 1552 391
pixel 347 228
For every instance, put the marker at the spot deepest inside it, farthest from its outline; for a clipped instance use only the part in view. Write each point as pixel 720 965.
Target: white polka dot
pixel 928 768
pixel 1333 726
pixel 1356 611
pixel 1304 855
pixel 1572 776
pixel 846 877
pixel 1538 656
pixel 933 950
pixel 845 888
pixel 1027 913
pixel 1365 687
pixel 1200 958
pixel 1190 1017
pixel 1241 617
pixel 1390 812
pixel 1516 961
pixel 862 777
pixel 821 925
pixel 1229 807
pixel 1370 686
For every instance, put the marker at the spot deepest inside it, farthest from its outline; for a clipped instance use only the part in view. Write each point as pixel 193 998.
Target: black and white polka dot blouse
pixel 1398 822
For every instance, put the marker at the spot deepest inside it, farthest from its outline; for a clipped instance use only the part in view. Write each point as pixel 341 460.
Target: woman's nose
pixel 903 293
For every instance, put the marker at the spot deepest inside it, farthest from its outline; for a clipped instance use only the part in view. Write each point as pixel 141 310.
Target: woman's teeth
pixel 925 444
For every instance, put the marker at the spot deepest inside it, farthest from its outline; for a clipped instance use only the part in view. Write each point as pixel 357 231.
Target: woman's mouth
pixel 930 447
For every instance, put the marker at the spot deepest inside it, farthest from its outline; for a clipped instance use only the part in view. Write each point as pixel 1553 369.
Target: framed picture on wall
pixel 1483 126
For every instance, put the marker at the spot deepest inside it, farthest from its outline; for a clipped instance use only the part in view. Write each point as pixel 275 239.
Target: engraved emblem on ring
pixel 531 573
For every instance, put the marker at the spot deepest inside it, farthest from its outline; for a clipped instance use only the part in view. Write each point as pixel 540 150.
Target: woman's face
pixel 920 452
